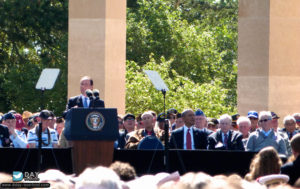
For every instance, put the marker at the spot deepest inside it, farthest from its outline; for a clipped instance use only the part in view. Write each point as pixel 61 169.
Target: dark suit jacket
pixel 285 131
pixel 121 139
pixel 176 140
pixel 234 141
pixel 208 131
pixel 4 136
pixel 77 101
pixel 292 169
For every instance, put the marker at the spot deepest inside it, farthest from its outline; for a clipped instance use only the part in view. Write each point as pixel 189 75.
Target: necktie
pixel 188 140
pixel 290 136
pixel 225 140
pixel 85 102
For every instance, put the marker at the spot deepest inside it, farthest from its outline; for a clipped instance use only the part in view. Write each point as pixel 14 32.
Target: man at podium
pixel 82 100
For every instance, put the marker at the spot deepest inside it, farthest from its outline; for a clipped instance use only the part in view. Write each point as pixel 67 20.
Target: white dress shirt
pixel 185 130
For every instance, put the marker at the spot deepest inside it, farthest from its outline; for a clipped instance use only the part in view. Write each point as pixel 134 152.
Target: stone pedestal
pixel 97 48
pixel 269 56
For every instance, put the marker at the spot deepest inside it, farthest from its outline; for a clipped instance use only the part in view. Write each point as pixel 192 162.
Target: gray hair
pixel 265 114
pixel 99 177
pixel 288 118
pixel 296 114
pixel 243 119
pixel 224 117
pixel 147 113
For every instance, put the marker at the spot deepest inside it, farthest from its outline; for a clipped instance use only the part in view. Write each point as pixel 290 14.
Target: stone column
pixel 269 56
pixel 97 48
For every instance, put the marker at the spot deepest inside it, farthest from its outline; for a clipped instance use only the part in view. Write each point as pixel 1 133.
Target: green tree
pixel 183 93
pixel 200 37
pixel 33 36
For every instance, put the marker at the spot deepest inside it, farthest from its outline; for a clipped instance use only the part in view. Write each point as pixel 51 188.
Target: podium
pixel 92 132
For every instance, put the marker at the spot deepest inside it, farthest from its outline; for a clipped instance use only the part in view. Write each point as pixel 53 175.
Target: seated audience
pixel 17 137
pixel 4 136
pixel 289 124
pixel 120 142
pixel 172 118
pixel 178 122
pixel 273 180
pixel 19 121
pixel 59 125
pixel 25 116
pixel 253 116
pixel 160 122
pixel 125 171
pixel 129 124
pixel 56 179
pixel 244 125
pixel 139 122
pixel 265 136
pixel 234 125
pixel 49 136
pixel 225 138
pixel 201 122
pixel 138 135
pixel 98 177
pixel 297 118
pixel 213 124
pixel 293 168
pixel 266 162
pixel 282 134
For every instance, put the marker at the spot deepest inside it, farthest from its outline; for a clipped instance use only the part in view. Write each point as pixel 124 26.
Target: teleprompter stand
pixel 160 85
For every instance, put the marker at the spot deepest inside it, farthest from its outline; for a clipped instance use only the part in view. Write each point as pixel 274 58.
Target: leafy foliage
pixel 191 43
pixel 33 37
pixel 198 37
pixel 183 93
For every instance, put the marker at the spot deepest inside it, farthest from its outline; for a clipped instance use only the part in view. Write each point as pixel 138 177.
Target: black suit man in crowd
pixel 188 137
pixel 225 138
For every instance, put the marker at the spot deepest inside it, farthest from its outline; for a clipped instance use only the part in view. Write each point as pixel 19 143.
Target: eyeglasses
pixel 290 123
pixel 264 120
pixel 253 118
pixel 130 119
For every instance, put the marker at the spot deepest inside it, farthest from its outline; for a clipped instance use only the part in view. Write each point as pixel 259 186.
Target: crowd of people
pixel 21 131
pixel 193 130
pixel 264 173
pixel 189 130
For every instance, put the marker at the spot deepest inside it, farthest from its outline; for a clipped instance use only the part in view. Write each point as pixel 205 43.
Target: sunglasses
pixel 263 120
pixel 297 120
pixel 130 119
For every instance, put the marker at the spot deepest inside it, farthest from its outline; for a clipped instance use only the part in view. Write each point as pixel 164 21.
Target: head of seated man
pixel 188 117
pixel 148 121
pixel 265 120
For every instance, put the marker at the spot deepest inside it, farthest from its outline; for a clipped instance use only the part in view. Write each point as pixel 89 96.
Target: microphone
pixel 89 94
pixel 96 93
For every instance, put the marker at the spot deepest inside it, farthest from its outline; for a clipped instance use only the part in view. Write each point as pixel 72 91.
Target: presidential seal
pixel 94 121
